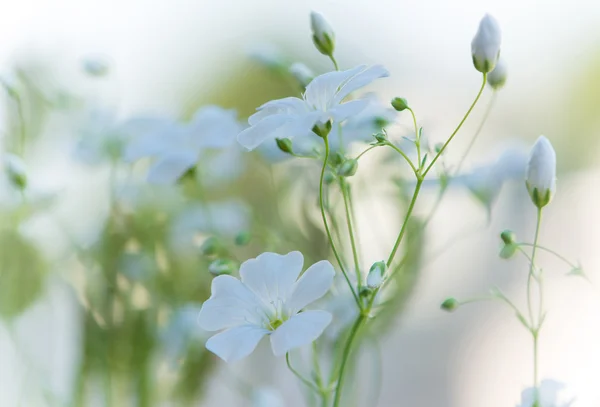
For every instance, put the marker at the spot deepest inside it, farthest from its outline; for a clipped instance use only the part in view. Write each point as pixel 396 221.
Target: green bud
pixel 508 236
pixel 15 170
pixel 348 168
pixel 376 274
pixel 508 250
pixel 322 129
pixel 243 238
pixel 381 122
pixel 438 147
pixel 211 246
pixel 329 178
pixel 323 35
pixel 337 159
pixel 365 292
pixel 450 304
pixel 285 145
pixel 222 266
pixel 380 137
pixel 399 104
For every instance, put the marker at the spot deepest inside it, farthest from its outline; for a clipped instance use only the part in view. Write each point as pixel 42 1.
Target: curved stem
pixel 345 356
pixel 459 125
pixel 366 151
pixel 346 195
pixel 335 64
pixel 304 380
pixel 403 154
pixel 564 259
pixel 417 137
pixel 326 224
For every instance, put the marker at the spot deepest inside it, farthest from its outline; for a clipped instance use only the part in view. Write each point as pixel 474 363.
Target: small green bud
pixel 380 137
pixel 365 292
pixel 380 122
pixel 329 178
pixel 322 129
pixel 285 145
pixel 15 170
pixel 399 104
pixel 242 238
pixel 222 266
pixel 450 304
pixel 376 274
pixel 438 147
pixel 508 236
pixel 508 250
pixel 337 158
pixel 348 168
pixel 211 246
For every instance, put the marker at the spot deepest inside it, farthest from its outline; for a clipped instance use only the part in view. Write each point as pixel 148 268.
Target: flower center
pixel 274 324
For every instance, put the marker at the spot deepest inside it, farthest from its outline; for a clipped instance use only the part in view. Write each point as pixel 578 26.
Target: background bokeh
pixel 170 57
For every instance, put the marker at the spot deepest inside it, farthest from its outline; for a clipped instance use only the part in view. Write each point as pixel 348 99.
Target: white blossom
pixel 323 101
pixel 269 300
pixel 302 73
pixel 95 66
pixel 176 147
pixel 541 172
pixel 497 78
pixel 485 46
pixel 549 394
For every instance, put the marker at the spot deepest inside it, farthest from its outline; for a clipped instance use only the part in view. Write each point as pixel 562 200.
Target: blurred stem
pixel 335 64
pixel 535 328
pixel 345 356
pixel 564 259
pixel 347 206
pixel 417 137
pixel 304 380
pixel 435 158
pixel 326 224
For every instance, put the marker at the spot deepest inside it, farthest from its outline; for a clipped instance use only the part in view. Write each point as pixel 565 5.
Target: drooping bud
pixel 376 274
pixel 450 304
pixel 508 250
pixel 348 168
pixel 541 172
pixel 301 73
pixel 322 129
pixel 485 47
pixel 399 104
pixel 508 236
pixel 222 266
pixel 15 170
pixel 497 78
pixel 285 145
pixel 242 238
pixel 329 177
pixel 380 137
pixel 211 246
pixel 323 35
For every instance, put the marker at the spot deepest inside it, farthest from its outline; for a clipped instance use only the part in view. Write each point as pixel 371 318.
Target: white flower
pixel 485 46
pixel 267 301
pixel 541 172
pixel 95 66
pixel 16 170
pixel 176 147
pixel 301 73
pixel 294 117
pixel 323 35
pixel 497 78
pixel 549 394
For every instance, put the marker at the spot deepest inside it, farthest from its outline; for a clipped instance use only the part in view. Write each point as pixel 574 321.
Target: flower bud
pixel 211 246
pixel 450 304
pixel 285 145
pixel 508 250
pixel 322 129
pixel 376 274
pixel 222 266
pixel 485 47
pixel 348 168
pixel 541 172
pixel 323 35
pixel 399 104
pixel 15 170
pixel 301 73
pixel 497 78
pixel 329 177
pixel 508 236
pixel 95 66
pixel 242 238
pixel 380 137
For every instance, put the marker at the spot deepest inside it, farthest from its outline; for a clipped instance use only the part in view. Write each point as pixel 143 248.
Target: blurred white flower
pixel 267 55
pixel 267 397
pixel 541 172
pixel 100 137
pixel 485 46
pixel 176 147
pixel 95 66
pixel 267 301
pixel 16 171
pixel 497 78
pixel 181 331
pixel 549 394
pixel 294 117
pixel 323 35
pixel 302 73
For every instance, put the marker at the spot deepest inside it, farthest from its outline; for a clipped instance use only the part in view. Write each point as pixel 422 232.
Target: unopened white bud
pixel 541 172
pixel 323 35
pixel 485 46
pixel 376 275
pixel 15 170
pixel 497 78
pixel 301 73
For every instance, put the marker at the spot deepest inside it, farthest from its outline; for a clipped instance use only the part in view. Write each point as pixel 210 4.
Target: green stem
pixel 346 195
pixel 549 251
pixel 324 216
pixel 458 127
pixel 304 380
pixel 345 356
pixel 530 277
pixel 403 154
pixel 366 151
pixel 417 137
pixel 335 64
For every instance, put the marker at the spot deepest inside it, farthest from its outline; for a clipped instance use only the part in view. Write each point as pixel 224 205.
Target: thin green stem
pixel 304 380
pixel 347 198
pixel 326 224
pixel 335 64
pixel 403 154
pixel 435 158
pixel 564 259
pixel 345 357
pixel 367 150
pixel 530 277
pixel 417 137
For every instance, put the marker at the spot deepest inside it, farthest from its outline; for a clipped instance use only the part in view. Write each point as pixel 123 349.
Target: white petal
pixel 271 276
pixel 235 343
pixel 152 137
pixel 299 330
pixel 321 92
pixel 168 169
pixel 230 304
pixel 289 105
pixel 360 80
pixel 214 127
pixel 253 136
pixel 313 284
pixel 348 109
